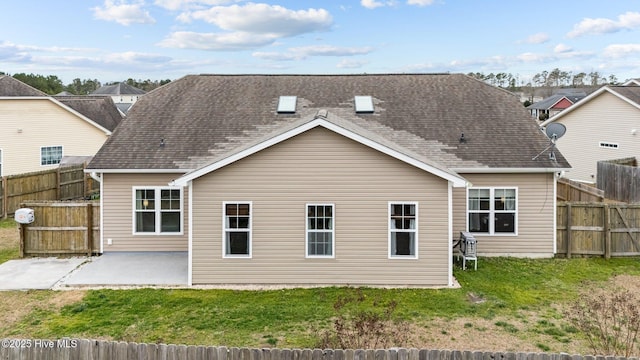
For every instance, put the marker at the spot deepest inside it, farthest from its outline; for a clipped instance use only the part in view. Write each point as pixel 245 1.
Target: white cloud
pixel 351 64
pixel 372 4
pixel 249 26
pixel 235 41
pixel 420 2
pixel 627 21
pixel 304 52
pixel 562 48
pixel 265 19
pixel 538 38
pixel 123 13
pixel 190 4
pixel 621 50
pixel 326 50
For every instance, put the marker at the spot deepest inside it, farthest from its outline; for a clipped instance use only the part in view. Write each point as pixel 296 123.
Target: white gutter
pixel 94 176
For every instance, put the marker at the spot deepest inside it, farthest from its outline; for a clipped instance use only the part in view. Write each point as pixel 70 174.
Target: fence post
pixel 58 183
pixel 23 238
pixel 607 232
pixel 89 229
pixel 5 198
pixel 568 230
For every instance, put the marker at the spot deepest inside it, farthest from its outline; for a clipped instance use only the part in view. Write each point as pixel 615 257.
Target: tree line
pixel 52 84
pixel 553 78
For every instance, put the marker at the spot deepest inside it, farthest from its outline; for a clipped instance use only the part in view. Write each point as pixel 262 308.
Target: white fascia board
pixel 138 171
pixel 457 181
pixel 507 170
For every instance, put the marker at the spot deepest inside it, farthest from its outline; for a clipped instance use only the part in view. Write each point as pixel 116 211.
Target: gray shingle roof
pixel 630 92
pixel 205 117
pixel 100 110
pixel 118 89
pixel 10 86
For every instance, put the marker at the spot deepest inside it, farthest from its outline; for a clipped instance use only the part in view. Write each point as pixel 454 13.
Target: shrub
pixel 361 323
pixel 610 320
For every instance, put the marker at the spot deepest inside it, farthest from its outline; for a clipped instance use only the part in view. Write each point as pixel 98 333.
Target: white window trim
pixel 389 229
pixel 52 146
pixel 1 161
pixel 157 210
pixel 224 231
pixel 492 211
pixel 608 145
pixel 333 232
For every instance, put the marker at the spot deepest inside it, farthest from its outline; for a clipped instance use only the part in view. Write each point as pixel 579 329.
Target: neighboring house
pixel 38 129
pixel 602 126
pixel 555 103
pixel 327 179
pixel 123 95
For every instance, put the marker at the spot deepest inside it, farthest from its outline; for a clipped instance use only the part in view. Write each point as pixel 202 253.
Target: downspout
pixel 98 178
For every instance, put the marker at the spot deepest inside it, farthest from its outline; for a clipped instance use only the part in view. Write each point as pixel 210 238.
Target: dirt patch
pixel 15 305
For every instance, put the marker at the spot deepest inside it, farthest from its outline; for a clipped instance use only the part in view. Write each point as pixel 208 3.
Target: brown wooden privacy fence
pixel 61 228
pixel 620 179
pixel 570 190
pixel 63 183
pixel 65 349
pixel 598 229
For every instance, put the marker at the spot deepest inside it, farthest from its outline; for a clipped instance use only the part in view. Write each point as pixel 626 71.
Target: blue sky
pixel 112 40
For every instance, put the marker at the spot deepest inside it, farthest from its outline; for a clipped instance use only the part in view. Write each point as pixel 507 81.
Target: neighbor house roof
pixel 100 110
pixel 632 82
pixel 551 101
pixel 200 120
pixel 10 86
pixel 629 94
pixel 118 89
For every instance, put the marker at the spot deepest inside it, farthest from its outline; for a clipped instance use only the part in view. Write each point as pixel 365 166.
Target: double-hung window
pixel 403 230
pixel 50 155
pixel 237 229
pixel 492 210
pixel 320 228
pixel 157 210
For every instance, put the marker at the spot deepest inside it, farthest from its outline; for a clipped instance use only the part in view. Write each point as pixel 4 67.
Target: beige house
pixel 327 179
pixel 602 126
pixel 39 130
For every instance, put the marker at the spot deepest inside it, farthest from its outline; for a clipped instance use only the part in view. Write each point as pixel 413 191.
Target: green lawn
pixel 8 246
pixel 294 317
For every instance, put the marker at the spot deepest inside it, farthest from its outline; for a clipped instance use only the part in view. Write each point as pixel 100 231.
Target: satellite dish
pixel 555 131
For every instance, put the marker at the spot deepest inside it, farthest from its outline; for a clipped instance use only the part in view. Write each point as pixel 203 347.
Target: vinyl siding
pixel 605 118
pixel 320 166
pixel 535 215
pixel 117 192
pixel 28 125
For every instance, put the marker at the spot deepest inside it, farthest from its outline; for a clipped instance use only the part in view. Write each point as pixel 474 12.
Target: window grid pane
pixel 165 218
pixel 50 155
pixel 403 230
pixel 495 216
pixel 237 229
pixel 319 230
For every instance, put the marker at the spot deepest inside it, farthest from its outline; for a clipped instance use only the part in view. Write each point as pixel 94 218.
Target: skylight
pixel 364 104
pixel 287 104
